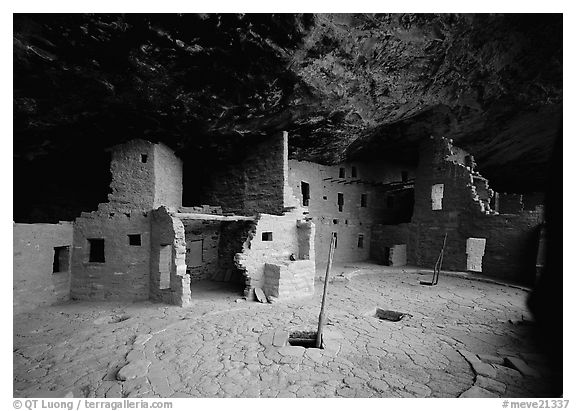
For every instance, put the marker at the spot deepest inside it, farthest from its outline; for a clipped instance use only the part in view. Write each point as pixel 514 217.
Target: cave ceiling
pixel 345 86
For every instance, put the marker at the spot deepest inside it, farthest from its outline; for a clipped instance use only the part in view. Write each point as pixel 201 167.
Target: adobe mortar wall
pixel 510 240
pixel 125 273
pixel 383 236
pixel 167 178
pixel 255 185
pixel 34 284
pixel 169 230
pixel 354 220
pixel 208 232
pixel 132 180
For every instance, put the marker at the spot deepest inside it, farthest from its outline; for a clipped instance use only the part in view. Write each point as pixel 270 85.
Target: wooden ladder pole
pixel 321 317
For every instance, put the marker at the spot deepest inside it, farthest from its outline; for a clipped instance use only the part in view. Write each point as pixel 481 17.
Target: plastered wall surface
pixel 125 273
pixel 354 219
pixel 34 283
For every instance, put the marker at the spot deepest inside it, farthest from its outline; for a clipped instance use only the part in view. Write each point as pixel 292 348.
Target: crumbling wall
pixel 202 237
pixel 371 193
pixel 466 214
pixel 124 274
pixel 233 235
pixel 35 284
pixel 277 240
pixel 167 230
pixel 256 184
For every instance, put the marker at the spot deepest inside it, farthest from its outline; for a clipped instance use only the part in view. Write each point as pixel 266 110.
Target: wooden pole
pixel 321 317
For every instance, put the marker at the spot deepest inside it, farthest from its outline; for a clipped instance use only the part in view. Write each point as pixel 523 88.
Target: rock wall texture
pixel 34 282
pixel 366 200
pixel 124 274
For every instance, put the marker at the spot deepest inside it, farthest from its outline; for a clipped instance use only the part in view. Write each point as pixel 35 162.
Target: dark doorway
pixel 305 193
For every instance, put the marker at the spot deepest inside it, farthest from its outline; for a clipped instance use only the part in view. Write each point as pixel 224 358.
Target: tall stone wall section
pixel 254 185
pixel 167 230
pixel 124 275
pixel 167 178
pixel 208 234
pixel 133 180
pixel 510 239
pixel 34 283
pixel 354 220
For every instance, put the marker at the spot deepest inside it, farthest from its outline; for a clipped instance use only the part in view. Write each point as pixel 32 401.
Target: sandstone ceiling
pixel 344 86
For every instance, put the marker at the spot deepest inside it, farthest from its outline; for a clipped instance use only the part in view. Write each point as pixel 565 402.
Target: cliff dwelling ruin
pixel 190 190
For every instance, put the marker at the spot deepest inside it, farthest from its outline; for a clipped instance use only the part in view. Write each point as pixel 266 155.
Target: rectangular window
pixel 360 240
pixel 340 201
pixel 96 246
pixel 305 193
pixel 134 239
pixel 354 173
pixel 335 235
pixel 143 158
pixel 61 263
pixel 267 236
pixel 437 195
pixel 364 200
pixel 342 172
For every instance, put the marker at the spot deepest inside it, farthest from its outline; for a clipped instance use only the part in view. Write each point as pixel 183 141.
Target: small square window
pixel 325 198
pixel 61 263
pixel 134 239
pixel 335 221
pixel 144 158
pixel 267 236
pixel 96 246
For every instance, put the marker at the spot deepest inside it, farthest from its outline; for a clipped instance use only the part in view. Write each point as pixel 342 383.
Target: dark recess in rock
pixel 210 86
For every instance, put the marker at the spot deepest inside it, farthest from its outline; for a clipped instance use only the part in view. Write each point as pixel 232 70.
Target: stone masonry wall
pixel 208 233
pixel 510 240
pixel 386 236
pixel 167 230
pixel 233 235
pixel 132 180
pixel 167 178
pixel 354 220
pixel 125 273
pixel 34 283
pixel 256 184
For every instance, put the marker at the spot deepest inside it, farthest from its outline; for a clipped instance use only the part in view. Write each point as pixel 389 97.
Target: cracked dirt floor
pixel 218 347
